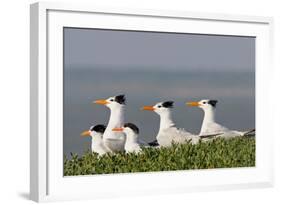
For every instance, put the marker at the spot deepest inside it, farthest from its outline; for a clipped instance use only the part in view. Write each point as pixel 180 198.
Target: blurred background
pixel 150 67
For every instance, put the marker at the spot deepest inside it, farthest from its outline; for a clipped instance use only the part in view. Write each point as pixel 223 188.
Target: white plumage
pixel 168 133
pixel 114 141
pixel 215 128
pixel 209 124
pixel 132 144
pixel 167 136
pixel 97 146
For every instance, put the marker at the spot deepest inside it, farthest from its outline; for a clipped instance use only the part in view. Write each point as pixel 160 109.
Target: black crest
pixel 168 104
pixel 213 102
pixel 98 128
pixel 133 127
pixel 120 99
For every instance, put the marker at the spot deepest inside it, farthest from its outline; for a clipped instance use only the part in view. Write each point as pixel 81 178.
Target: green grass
pixel 219 153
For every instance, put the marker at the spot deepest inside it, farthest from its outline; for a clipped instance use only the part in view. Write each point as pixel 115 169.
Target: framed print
pixel 125 97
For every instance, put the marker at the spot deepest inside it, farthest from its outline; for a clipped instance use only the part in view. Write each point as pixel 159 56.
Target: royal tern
pixel 168 132
pixel 209 124
pixel 96 133
pixel 114 141
pixel 132 131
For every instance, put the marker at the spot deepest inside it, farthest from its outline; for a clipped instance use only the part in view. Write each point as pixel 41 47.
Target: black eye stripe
pixel 213 102
pixel 132 126
pixel 168 104
pixel 98 128
pixel 120 99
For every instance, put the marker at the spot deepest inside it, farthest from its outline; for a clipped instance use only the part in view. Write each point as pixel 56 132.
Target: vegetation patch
pixel 218 153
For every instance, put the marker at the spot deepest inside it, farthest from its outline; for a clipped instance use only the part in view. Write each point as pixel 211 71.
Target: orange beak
pixel 196 104
pixel 85 133
pixel 118 129
pixel 101 102
pixel 150 108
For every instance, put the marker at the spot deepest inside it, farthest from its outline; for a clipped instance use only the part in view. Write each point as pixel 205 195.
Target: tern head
pixel 204 104
pixel 97 130
pixel 129 129
pixel 161 107
pixel 112 102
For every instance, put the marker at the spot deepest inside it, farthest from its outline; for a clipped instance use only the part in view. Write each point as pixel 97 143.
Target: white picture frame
pixel 46 177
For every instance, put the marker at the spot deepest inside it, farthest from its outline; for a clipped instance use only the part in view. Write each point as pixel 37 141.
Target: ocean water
pixel 234 90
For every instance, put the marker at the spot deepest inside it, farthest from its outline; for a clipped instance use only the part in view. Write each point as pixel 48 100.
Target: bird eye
pixel 159 106
pixel 204 102
pixel 111 100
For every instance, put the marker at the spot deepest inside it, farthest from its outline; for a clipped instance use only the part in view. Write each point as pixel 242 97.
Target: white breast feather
pixel 214 128
pixel 99 148
pixel 132 148
pixel 167 136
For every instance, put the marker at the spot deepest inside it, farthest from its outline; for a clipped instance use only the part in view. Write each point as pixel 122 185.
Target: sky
pixel 149 67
